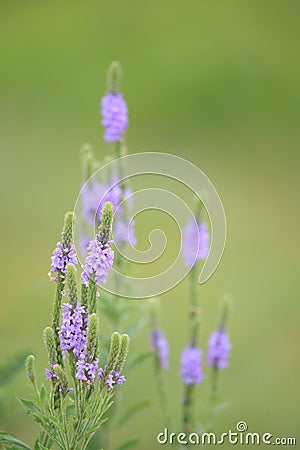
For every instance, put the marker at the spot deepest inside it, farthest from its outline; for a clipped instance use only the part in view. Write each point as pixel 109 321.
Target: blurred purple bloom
pixel 218 349
pixel 114 116
pixel 98 262
pixel 61 257
pixel 72 332
pixel 195 242
pixel 160 346
pixel 123 232
pixel 95 194
pixel 191 370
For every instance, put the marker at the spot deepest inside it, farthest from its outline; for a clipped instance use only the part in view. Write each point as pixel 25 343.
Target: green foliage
pixel 9 442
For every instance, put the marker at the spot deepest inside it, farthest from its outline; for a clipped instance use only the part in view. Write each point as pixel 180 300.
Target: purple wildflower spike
pixel 114 116
pixel 191 370
pixel 98 262
pixel 218 349
pixel 160 346
pixel 72 332
pixel 61 257
pixel 195 242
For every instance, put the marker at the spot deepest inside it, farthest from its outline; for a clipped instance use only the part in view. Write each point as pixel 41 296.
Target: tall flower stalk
pixel 191 358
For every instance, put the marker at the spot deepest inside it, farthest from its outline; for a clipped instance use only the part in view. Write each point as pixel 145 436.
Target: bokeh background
pixel 214 82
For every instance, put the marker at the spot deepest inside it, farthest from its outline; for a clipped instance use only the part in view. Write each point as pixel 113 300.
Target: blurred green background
pixel 214 82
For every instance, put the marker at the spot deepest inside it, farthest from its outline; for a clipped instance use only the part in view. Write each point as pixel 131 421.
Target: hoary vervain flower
pixel 218 349
pixel 160 346
pixel 100 256
pixel 191 370
pixel 72 332
pixel 114 116
pixel 195 242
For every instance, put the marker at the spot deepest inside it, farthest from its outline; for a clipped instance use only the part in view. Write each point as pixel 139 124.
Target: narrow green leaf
pixel 8 441
pixel 43 395
pixel 30 406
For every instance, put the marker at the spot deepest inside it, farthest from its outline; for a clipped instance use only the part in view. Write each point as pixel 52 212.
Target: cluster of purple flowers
pixel 73 329
pixel 98 262
pixel 86 370
pixel 160 346
pixel 73 337
pixel 195 242
pixel 218 349
pixel 114 116
pixel 191 366
pixel 113 378
pixel 61 257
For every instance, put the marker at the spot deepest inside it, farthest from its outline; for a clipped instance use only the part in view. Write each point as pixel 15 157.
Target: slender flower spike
pixel 218 349
pixel 64 252
pixel 49 341
pixel 160 346
pixel 100 256
pixel 195 242
pixel 191 370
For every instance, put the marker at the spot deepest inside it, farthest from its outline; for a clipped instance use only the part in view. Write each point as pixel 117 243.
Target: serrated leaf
pixel 133 410
pixel 129 444
pixel 8 441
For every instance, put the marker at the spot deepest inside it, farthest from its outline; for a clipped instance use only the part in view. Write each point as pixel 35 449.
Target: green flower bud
pixel 114 78
pixel 49 341
pixel 71 284
pixel 122 357
pixel 92 335
pixel 115 343
pixel 30 369
pixel 105 224
pixel 67 234
pixel 84 296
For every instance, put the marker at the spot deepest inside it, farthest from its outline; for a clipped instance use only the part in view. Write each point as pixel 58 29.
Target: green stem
pixel 187 414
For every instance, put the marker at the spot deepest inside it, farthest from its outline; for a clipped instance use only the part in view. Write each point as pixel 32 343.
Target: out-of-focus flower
pixel 160 346
pixel 218 349
pixel 195 242
pixel 191 366
pixel 114 116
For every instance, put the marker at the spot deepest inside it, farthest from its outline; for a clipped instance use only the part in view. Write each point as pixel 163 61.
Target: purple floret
pixel 218 349
pixel 160 346
pixel 114 116
pixel 61 257
pixel 98 262
pixel 191 370
pixel 86 371
pixel 195 242
pixel 72 332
